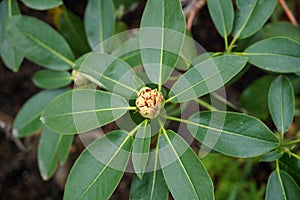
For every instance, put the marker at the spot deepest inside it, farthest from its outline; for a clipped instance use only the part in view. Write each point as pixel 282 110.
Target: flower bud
pixel 149 102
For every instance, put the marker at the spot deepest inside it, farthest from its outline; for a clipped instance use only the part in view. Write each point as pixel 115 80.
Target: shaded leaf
pixel 278 54
pixel 115 74
pixel 42 5
pixel 257 106
pixel 99 168
pixel 40 43
pixel 99 23
pixel 251 16
pixel 49 79
pixel 222 15
pixel 72 29
pixel 282 186
pixel 64 148
pixel 11 57
pixel 141 148
pixel 183 169
pixel 50 145
pixel 272 156
pixel 291 165
pixel 283 28
pixel 232 134
pixel 206 77
pixel 81 110
pixel 282 103
pixel 27 120
pixel 161 36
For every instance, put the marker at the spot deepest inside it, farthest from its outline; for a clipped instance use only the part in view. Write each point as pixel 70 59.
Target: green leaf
pixel 50 145
pixel 282 186
pixel 257 105
pixel 80 110
pixel 282 103
pixel 283 28
pixel 291 165
pixel 272 156
pixel 64 148
pixel 251 16
pixel 115 74
pixel 278 54
pixel 232 134
pixel 71 27
pixel 27 120
pixel 141 148
pixel 161 36
pixel 49 79
pixel 99 168
pixel 222 15
pixel 151 187
pixel 42 5
pixel 206 77
pixel 99 23
pixel 40 43
pixel 184 173
pixel 11 57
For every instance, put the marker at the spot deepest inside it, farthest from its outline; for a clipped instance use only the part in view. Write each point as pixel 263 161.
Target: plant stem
pixel 288 12
pixel 292 142
pixel 206 105
pixel 295 155
pixel 137 127
pixel 223 100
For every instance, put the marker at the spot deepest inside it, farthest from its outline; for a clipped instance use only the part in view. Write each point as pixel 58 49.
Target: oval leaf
pixel 141 147
pixel 79 111
pixel 11 57
pixel 50 145
pixel 49 79
pixel 99 23
pixel 27 120
pixel 161 36
pixel 281 28
pixel 233 134
pixel 115 74
pixel 206 77
pixel 282 103
pixel 278 54
pixel 271 156
pixel 94 176
pixel 222 15
pixel 183 169
pixel 257 105
pixel 251 16
pixel 40 43
pixel 291 165
pixel 42 5
pixel 282 186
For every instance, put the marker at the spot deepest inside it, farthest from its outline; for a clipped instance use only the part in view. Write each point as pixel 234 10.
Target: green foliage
pixel 108 71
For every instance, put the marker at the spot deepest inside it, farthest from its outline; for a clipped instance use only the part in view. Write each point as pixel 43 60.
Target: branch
pixel 191 10
pixel 288 12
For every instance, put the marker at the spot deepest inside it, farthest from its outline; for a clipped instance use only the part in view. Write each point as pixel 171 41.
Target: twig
pixel 191 11
pixel 288 12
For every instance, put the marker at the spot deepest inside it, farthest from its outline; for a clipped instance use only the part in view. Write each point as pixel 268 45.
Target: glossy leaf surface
pixel 222 14
pixel 89 109
pixel 99 169
pixel 27 121
pixel 182 168
pixel 282 186
pixel 251 16
pixel 161 36
pixel 278 54
pixel 282 103
pixel 99 23
pixel 49 79
pixel 233 134
pixel 40 43
pixel 206 77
